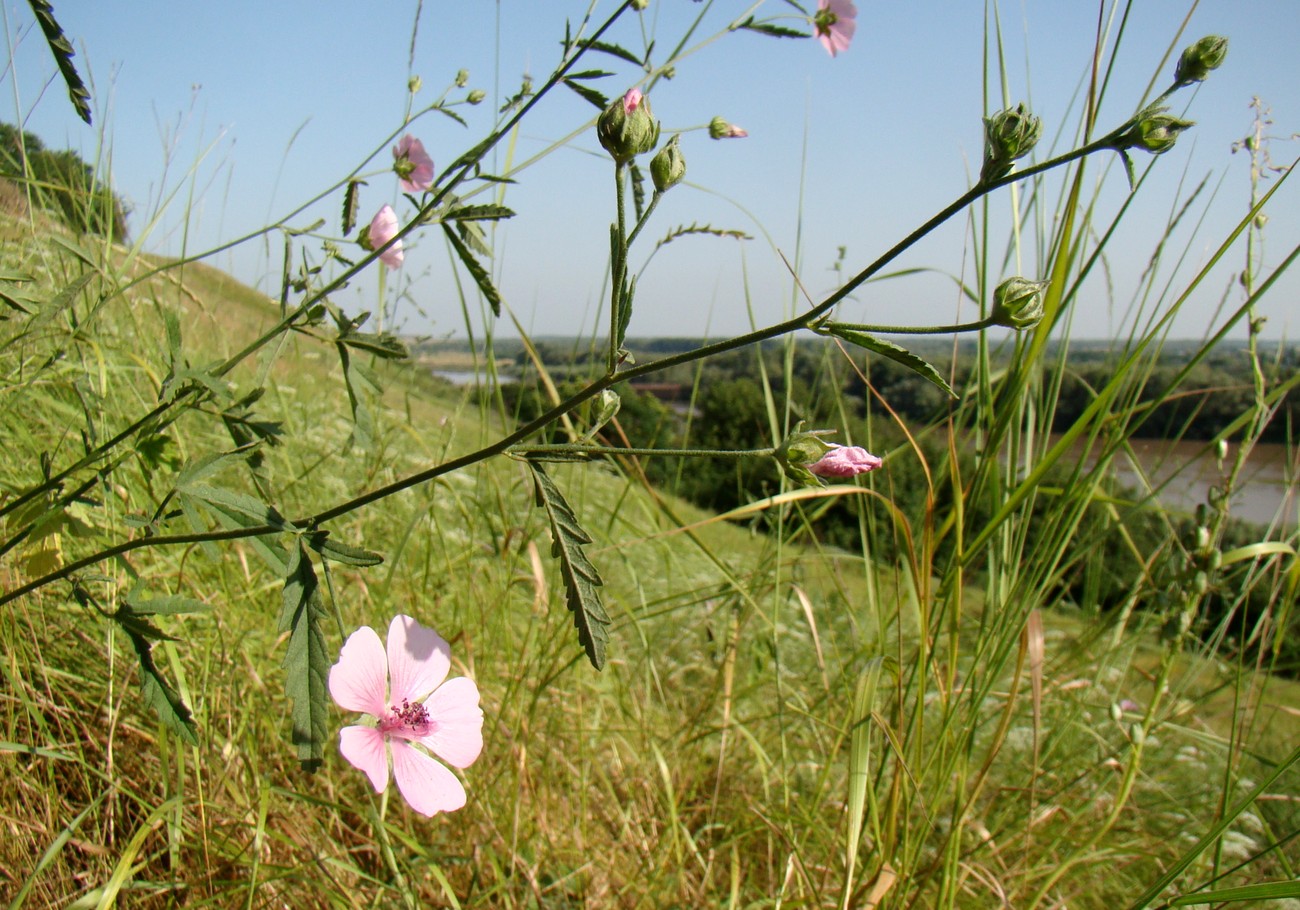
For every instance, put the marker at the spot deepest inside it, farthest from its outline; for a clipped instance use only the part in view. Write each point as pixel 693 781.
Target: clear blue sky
pixel 239 111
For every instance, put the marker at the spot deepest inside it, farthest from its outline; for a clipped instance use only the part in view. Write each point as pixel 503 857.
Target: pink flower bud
pixel 845 461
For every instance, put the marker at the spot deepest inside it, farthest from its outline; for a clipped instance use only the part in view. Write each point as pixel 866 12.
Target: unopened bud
pixel 413 84
pixel 1008 135
pixel 1200 59
pixel 668 167
pixel 1018 303
pixel 475 96
pixel 1154 130
pixel 462 78
pixel 639 5
pixel 721 129
pixel 627 128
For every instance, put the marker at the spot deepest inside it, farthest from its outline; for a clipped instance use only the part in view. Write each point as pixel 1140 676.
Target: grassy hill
pixel 779 723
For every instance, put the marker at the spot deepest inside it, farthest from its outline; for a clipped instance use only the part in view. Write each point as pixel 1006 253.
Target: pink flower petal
pixel 359 681
pixel 409 152
pixel 418 659
pixel 845 461
pixel 383 228
pixel 364 748
pixel 425 784
pixel 632 100
pixel 457 736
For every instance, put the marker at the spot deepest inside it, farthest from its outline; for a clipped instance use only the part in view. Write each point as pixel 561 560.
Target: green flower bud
pixel 627 128
pixel 668 167
pixel 1018 303
pixel 721 129
pixel 1200 59
pixel 639 5
pixel 462 78
pixel 801 449
pixel 413 85
pixel 1154 130
pixel 1008 135
pixel 476 96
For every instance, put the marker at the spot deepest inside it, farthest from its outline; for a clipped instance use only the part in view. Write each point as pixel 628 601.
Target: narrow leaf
pixel 775 31
pixel 328 548
pixel 487 212
pixel 889 349
pixel 614 50
pixel 580 577
pixel 587 93
pixel 381 344
pixel 351 203
pixel 158 693
pixel 306 660
pixel 475 269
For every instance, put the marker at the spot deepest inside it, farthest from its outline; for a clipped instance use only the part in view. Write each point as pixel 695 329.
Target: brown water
pixel 1183 472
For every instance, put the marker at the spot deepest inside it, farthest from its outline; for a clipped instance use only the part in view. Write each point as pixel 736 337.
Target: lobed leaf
pixel 580 577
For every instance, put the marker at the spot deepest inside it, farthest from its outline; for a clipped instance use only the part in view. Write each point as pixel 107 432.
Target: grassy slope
pixel 707 763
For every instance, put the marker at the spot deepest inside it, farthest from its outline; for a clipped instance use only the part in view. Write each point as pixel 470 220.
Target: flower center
pixel 824 20
pixel 407 718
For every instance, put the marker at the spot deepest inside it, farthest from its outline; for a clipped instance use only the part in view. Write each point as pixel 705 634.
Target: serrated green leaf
pixel 638 189
pixel 587 93
pixel 614 50
pixel 361 387
pixel 169 605
pixel 767 28
pixel 475 269
pixel 888 349
pixel 351 204
pixel 158 694
pixel 381 344
pixel 328 548
pixel 236 504
pixel 306 660
pixel 59 302
pixel 580 577
pixel 705 229
pixel 487 212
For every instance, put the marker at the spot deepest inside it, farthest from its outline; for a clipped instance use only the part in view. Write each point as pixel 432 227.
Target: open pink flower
pixel 413 165
pixel 406 690
pixel 833 24
pixel 845 461
pixel 383 228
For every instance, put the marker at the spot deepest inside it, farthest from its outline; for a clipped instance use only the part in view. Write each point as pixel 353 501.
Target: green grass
pixel 925 718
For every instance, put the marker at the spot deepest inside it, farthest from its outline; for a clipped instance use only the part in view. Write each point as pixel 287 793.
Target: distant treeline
pixel 61 183
pixel 724 405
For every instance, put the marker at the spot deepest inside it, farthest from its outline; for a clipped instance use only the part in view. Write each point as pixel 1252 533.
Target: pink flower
pixel 632 100
pixel 833 24
pixel 383 228
pixel 845 461
pixel 389 687
pixel 413 165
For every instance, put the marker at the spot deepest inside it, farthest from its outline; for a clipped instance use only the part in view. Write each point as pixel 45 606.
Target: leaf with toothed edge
pixel 306 659
pixel 351 202
pixel 888 349
pixel 580 577
pixel 157 692
pixel 475 269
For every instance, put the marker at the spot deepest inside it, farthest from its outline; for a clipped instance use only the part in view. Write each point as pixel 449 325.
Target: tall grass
pixel 926 718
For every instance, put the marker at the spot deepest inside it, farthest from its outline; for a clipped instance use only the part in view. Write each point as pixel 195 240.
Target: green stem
pixel 804 321
pixel 386 848
pixel 913 330
pixel 618 267
pixel 467 165
pixel 602 451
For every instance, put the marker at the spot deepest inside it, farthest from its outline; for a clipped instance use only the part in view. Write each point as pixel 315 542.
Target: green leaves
pixel 131 617
pixel 767 28
pixel 475 269
pixel 888 349
pixel 351 202
pixel 306 661
pixel 580 577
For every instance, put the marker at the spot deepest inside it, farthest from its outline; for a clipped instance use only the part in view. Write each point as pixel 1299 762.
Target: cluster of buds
pixel 1008 135
pixel 627 128
pixel 806 458
pixel 1018 303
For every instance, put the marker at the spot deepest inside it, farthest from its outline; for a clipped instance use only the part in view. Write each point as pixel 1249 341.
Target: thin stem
pixel 618 268
pixel 603 451
pixel 914 330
